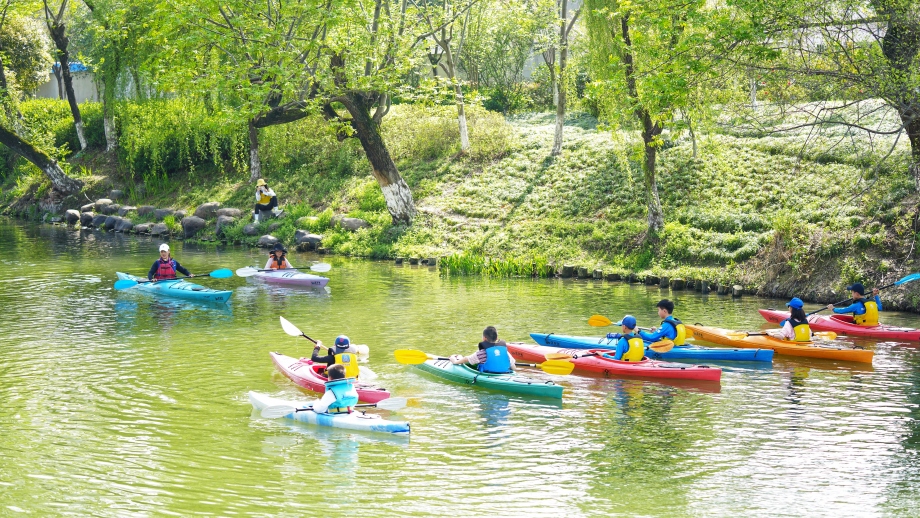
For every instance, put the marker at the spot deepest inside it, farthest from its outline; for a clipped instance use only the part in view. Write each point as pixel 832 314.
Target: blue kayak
pixel 178 288
pixel 678 352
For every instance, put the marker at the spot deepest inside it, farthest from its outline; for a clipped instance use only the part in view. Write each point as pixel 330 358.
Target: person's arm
pixel 657 335
pixel 323 404
pixel 268 264
pixel 622 347
pixel 878 301
pixel 258 194
pixel 153 270
pixel 328 359
pixel 852 308
pixel 270 192
pixel 183 270
pixel 788 331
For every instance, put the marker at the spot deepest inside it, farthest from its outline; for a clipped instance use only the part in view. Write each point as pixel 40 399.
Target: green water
pixel 122 404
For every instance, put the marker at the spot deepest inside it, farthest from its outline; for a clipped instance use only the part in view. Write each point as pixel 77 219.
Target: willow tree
pixel 56 17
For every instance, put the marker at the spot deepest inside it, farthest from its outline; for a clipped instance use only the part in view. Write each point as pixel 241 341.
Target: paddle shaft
pixel 356 406
pixel 844 301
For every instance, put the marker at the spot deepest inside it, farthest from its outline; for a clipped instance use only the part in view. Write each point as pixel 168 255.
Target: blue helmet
pixel 342 342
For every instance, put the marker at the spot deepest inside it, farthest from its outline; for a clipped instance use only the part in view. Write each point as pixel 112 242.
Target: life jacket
pixel 870 314
pixel 276 264
pixel 346 397
pixel 636 350
pixel 800 327
pixel 264 198
pixel 350 362
pixel 679 329
pixel 165 270
pixel 498 360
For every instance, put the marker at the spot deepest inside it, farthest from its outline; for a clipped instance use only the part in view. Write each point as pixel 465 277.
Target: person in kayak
pixel 340 396
pixel 865 310
pixel 266 200
pixel 277 259
pixel 166 267
pixel 630 346
pixel 671 328
pixel 795 327
pixel 492 355
pixel 342 354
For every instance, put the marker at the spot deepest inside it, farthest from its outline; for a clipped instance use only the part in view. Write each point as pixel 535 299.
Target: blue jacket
pixel 668 331
pixel 857 308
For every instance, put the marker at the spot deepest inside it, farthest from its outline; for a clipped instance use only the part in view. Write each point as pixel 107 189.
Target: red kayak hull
pixel 644 369
pixel 308 375
pixel 843 324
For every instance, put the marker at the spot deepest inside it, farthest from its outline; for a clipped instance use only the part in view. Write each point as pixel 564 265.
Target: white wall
pixel 84 88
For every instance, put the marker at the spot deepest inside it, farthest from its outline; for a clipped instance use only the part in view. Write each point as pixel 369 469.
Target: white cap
pixel 165 247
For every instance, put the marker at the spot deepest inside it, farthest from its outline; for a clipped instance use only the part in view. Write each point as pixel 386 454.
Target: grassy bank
pixel 768 212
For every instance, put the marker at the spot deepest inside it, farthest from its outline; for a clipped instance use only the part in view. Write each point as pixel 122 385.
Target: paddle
pixel 602 321
pixel 414 357
pixel 249 271
pixel 903 280
pixel 223 273
pixel 362 349
pixel 737 335
pixel 659 347
pixel 276 411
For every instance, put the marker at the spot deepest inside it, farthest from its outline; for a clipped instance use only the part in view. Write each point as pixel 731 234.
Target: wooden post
pixel 651 280
pixel 567 270
pixel 664 282
pixel 399 261
pixel 582 272
pixel 704 287
pixel 737 290
pixel 413 260
pixel 678 284
pixel 613 277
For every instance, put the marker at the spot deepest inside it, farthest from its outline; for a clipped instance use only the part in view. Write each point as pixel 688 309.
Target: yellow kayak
pixel 731 338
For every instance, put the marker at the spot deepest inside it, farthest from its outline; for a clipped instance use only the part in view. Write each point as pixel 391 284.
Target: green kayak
pixel 504 382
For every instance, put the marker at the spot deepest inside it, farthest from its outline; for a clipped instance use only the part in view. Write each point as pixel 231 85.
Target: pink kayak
pixel 309 375
pixel 843 324
pixel 292 278
pixel 607 366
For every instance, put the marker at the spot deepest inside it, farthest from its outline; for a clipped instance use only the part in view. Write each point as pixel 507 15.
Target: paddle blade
pixel 599 321
pixel 362 349
pixel 366 373
pixel 321 267
pixel 662 347
pixel 223 273
pixel 410 356
pixel 560 367
pixel 827 335
pixel 290 328
pixel 125 284
pixel 393 403
pixel 909 278
pixel 558 356
pixel 276 411
pixel 248 271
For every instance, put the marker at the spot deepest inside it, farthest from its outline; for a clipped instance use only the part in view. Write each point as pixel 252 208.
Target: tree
pixel 59 179
pixel 24 57
pixel 558 76
pixel 57 27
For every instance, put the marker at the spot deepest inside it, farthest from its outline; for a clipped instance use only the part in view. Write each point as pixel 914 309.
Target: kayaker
pixel 865 310
pixel 166 267
pixel 795 327
pixel 266 199
pixel 630 346
pixel 340 396
pixel 342 354
pixel 277 258
pixel 492 355
pixel 671 328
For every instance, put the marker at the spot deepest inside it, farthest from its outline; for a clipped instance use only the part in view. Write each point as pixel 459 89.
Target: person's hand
pixel 653 329
pixel 830 307
pixel 875 292
pixel 191 275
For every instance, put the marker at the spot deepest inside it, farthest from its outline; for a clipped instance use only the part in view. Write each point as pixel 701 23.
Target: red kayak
pixel 308 375
pixel 607 366
pixel 843 324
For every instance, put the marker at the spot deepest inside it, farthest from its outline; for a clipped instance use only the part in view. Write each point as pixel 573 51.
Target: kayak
pixel 292 278
pixel 178 288
pixel 605 364
pixel 354 421
pixel 511 382
pixel 678 352
pixel 309 375
pixel 843 324
pixel 718 335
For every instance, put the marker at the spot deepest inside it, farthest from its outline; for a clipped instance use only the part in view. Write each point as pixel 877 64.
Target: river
pixel 116 403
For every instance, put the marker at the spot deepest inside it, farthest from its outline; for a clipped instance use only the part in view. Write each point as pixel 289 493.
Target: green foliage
pixel 25 52
pixel 472 263
pixel 51 123
pixel 425 133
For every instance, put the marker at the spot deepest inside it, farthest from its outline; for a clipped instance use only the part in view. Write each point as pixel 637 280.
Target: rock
pixel 351 224
pixel 116 194
pixel 567 271
pixel 72 216
pixel 192 225
pixel 99 220
pixel 144 210
pixel 159 214
pixel 664 282
pixel 102 201
pixel 678 284
pixel 267 241
pixel 55 219
pixel 222 221
pixel 159 229
pixel 207 210
pixel 89 207
pixel 86 219
pixel 251 230
pixel 124 225
pixel 125 209
pixel 229 211
pixel 110 209
pixel 274 226
pixel 110 222
pixel 143 228
pixel 306 241
pixel 613 277
pixel 179 214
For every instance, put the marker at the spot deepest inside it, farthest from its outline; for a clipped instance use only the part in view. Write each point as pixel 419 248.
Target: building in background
pixel 84 84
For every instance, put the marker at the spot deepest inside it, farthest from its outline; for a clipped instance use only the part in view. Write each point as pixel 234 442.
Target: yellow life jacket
pixel 679 328
pixel 264 198
pixel 802 333
pixel 870 317
pixel 636 350
pixel 350 362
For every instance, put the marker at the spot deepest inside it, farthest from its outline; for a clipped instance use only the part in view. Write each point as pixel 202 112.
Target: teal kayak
pixel 514 383
pixel 178 288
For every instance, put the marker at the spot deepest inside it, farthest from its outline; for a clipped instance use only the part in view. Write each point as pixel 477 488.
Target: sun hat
pixel 260 183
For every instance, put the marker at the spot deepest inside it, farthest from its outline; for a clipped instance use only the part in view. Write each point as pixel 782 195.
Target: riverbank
pixel 749 209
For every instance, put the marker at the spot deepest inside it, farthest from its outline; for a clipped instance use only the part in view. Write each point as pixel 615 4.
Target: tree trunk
pixel 59 179
pixel 655 216
pixel 458 96
pixel 692 135
pixel 558 86
pixel 255 163
pixel 59 36
pixel 108 118
pixel 395 190
pixel 913 135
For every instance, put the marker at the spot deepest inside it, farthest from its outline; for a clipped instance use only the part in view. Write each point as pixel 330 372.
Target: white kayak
pixel 292 278
pixel 357 420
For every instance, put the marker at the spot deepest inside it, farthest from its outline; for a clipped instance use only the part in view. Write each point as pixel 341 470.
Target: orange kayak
pixel 728 337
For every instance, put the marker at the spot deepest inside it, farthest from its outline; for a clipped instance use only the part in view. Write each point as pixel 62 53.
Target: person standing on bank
pixel 266 199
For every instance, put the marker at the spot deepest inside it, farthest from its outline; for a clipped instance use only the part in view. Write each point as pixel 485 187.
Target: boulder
pixel 110 222
pixel 274 226
pixel 179 214
pixel 86 218
pixel 351 224
pixel 306 241
pixel 159 229
pixel 99 220
pixel 222 221
pixel 251 230
pixel 159 214
pixel 124 225
pixel 229 211
pixel 89 207
pixel 207 210
pixel 110 209
pixel 72 216
pixel 192 225
pixel 125 209
pixel 102 201
pixel 116 194
pixel 143 228
pixel 144 210
pixel 267 241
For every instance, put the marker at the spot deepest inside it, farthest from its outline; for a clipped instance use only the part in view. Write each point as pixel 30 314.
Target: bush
pixel 52 118
pixel 426 133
